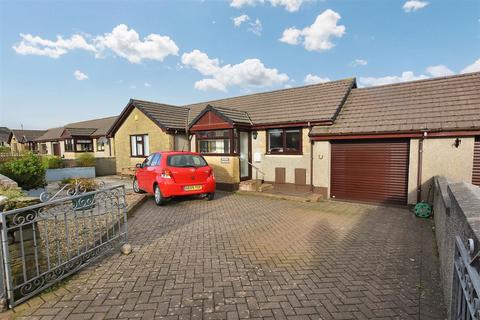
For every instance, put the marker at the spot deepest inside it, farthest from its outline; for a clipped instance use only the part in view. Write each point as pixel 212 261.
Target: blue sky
pixel 179 52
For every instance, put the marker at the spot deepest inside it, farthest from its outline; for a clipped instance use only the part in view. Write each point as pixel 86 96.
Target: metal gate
pixel 466 284
pixel 46 242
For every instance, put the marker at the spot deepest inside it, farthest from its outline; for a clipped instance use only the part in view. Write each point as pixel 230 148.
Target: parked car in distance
pixel 174 173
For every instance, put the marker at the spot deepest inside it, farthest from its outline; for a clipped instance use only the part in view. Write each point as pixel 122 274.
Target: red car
pixel 174 173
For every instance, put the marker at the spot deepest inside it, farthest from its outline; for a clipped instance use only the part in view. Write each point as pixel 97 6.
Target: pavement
pixel 242 256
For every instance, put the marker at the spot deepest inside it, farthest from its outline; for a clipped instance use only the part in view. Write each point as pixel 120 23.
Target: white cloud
pixel 201 62
pixel 439 71
pixel 256 27
pixel 34 45
pixel 406 76
pixel 359 62
pixel 146 84
pixel 291 36
pixel 289 5
pixel 79 75
pixel 123 42
pixel 237 21
pixel 474 67
pixel 312 79
pixel 316 37
pixel 249 73
pixel 414 5
pixel 127 44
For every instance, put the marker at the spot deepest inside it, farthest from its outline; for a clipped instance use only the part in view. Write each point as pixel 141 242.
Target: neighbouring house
pixel 4 135
pixel 24 140
pixel 79 137
pixel 382 144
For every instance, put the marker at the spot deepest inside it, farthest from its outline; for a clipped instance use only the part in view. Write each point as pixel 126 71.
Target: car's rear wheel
pixel 159 199
pixel 136 188
pixel 210 196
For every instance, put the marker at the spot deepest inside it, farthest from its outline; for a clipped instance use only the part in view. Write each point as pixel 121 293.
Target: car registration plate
pixel 192 188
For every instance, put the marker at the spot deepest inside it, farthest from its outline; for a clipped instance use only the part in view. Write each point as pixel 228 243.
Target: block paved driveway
pixel 252 257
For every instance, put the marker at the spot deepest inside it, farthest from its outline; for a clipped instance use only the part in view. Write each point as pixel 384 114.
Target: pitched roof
pixel 230 115
pixel 94 127
pixel 52 134
pixel 318 102
pixel 27 135
pixel 164 115
pixel 439 104
pixel 4 134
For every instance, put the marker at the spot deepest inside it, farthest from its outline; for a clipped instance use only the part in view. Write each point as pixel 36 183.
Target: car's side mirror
pixel 139 165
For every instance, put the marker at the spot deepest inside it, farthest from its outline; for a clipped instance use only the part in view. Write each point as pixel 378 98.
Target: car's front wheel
pixel 136 188
pixel 159 199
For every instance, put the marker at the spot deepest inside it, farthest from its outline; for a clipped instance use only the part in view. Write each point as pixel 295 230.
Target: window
pixel 69 145
pixel 284 141
pixel 84 145
pixel 155 160
pixel 187 160
pixel 139 145
pixel 214 142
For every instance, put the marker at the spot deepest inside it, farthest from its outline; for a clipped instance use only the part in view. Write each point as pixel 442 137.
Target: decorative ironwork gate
pixel 466 283
pixel 44 243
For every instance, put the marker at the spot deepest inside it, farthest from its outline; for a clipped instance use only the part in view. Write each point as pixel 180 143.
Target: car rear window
pixel 186 160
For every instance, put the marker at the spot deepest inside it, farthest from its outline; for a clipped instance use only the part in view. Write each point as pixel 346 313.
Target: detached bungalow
pixel 24 140
pixel 381 144
pixel 79 137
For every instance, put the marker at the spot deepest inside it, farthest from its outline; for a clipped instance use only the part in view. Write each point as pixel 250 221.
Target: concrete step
pixel 265 187
pixel 250 185
pixel 309 198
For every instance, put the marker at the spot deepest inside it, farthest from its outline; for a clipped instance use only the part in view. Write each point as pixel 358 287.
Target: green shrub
pixel 28 171
pixel 86 160
pixel 52 162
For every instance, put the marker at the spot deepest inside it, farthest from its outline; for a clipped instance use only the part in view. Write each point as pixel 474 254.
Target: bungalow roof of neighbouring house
pixel 91 128
pixel 52 134
pixel 441 104
pixel 4 134
pixel 25 135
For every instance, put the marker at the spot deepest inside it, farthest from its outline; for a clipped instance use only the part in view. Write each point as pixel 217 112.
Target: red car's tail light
pixel 166 174
pixel 210 174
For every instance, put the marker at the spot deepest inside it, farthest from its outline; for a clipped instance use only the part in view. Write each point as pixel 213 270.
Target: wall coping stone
pixel 7 182
pixel 441 184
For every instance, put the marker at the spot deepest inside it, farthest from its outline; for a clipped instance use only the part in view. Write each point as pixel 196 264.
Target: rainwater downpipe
pixel 311 157
pixel 420 165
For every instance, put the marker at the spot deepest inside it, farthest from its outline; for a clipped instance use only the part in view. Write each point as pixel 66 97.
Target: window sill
pixel 283 154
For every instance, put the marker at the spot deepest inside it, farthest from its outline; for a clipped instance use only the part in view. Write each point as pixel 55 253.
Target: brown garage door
pixel 373 171
pixel 476 162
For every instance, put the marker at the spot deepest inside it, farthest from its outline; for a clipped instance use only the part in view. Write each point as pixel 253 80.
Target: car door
pixel 142 174
pixel 151 171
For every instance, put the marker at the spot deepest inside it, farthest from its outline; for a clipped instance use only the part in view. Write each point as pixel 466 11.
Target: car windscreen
pixel 186 160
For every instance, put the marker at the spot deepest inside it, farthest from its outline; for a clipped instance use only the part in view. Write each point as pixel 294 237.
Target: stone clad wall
pixel 457 213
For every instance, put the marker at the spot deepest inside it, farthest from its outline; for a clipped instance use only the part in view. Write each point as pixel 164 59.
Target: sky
pixel 68 61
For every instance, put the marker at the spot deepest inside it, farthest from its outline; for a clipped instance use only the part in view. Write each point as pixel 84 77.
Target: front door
pixel 245 155
pixel 56 149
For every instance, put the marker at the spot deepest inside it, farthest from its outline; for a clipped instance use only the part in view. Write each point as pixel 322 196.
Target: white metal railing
pixel 257 170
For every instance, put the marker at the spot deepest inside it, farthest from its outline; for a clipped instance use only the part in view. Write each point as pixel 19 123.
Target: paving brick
pixel 242 257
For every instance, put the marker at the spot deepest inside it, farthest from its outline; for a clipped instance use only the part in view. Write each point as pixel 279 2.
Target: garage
pixel 370 170
pixel 476 162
